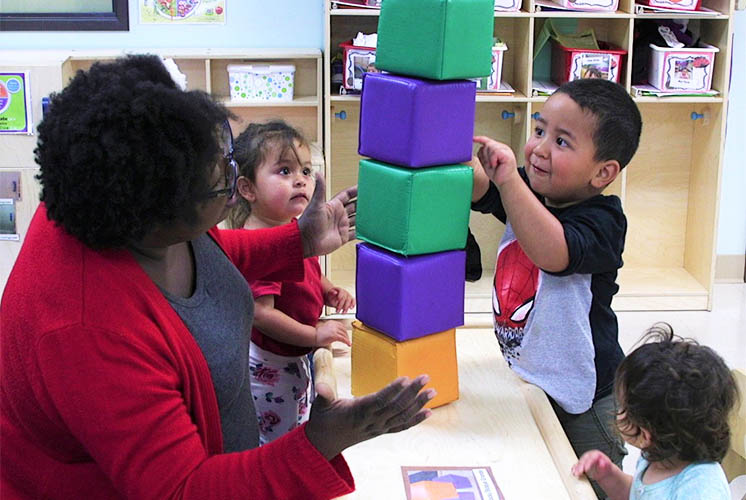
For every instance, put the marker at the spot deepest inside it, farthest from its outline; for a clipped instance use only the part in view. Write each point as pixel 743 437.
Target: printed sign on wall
pixel 15 104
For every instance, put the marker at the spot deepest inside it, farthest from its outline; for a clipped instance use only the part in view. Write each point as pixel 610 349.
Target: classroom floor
pixel 723 329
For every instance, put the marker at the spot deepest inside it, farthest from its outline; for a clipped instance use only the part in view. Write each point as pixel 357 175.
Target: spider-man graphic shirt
pixel 557 330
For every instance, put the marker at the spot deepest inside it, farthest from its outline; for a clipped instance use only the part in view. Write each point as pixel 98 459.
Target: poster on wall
pixel 182 11
pixel 15 104
pixel 8 231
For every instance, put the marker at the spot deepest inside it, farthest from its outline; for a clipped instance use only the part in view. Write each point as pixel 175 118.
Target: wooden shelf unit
pixel 669 191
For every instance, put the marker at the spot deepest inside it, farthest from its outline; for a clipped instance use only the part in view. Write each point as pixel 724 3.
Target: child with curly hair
pixel 276 183
pixel 674 399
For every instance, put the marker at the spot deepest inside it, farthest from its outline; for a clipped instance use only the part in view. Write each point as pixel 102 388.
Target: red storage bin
pixel 571 64
pixel 357 60
pixel 674 4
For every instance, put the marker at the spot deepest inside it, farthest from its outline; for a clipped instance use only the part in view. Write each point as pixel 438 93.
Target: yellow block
pixel 377 360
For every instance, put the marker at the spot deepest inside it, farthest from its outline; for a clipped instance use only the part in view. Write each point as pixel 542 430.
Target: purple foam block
pixel 410 297
pixel 416 123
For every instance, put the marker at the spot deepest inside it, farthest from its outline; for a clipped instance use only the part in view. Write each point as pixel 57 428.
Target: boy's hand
pixel 330 331
pixel 340 299
pixel 481 181
pixel 336 424
pixel 594 464
pixel 497 159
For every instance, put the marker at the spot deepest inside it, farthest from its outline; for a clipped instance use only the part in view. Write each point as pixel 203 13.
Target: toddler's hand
pixel 594 464
pixel 330 331
pixel 340 299
pixel 497 159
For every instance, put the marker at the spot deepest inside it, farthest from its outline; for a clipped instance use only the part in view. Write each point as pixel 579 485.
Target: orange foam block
pixel 377 360
pixel 433 490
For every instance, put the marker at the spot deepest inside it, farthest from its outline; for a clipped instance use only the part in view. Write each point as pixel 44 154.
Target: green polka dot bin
pixel 261 82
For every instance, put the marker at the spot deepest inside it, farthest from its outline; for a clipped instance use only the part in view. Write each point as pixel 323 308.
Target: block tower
pixel 414 193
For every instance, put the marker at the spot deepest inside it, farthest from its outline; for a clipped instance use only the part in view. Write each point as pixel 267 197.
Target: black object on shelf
pixel 473 258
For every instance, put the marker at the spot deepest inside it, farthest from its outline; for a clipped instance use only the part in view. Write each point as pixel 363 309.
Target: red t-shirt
pixel 301 300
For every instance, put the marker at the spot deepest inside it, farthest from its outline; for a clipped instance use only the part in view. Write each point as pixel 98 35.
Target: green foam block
pixel 413 211
pixel 436 39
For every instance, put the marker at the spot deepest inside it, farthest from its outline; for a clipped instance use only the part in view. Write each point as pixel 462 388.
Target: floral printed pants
pixel 282 392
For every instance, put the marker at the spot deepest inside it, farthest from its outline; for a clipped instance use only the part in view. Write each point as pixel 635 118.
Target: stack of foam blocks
pixel 414 192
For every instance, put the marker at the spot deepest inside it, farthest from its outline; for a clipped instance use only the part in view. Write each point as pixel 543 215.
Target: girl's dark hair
pixel 681 392
pixel 122 150
pixel 251 148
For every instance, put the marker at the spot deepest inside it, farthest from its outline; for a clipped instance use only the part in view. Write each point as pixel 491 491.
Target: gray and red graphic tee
pixel 557 330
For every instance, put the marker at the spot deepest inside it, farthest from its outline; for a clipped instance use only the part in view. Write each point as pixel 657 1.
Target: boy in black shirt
pixel 558 259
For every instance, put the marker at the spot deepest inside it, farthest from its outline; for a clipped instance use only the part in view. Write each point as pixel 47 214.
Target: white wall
pixel 732 221
pixel 250 24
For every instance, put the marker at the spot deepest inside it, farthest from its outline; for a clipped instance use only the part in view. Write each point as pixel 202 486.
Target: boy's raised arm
pixel 539 233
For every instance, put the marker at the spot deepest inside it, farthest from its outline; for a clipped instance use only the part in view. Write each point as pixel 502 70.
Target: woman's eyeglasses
pixel 230 166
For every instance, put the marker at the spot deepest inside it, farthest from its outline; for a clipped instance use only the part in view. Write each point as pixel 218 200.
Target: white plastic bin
pixel 492 82
pixel 685 69
pixel 508 5
pixel 591 5
pixel 261 82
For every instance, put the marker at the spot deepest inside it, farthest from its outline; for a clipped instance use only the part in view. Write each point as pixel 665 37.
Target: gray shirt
pixel 219 315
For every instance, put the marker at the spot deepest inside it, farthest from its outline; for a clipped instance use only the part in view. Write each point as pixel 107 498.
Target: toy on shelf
pixel 261 82
pixel 358 58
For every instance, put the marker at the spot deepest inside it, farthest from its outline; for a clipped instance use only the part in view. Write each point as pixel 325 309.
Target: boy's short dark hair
pixel 681 392
pixel 618 121
pixel 122 149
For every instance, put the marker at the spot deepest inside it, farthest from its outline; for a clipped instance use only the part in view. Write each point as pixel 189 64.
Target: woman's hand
pixel 340 299
pixel 324 227
pixel 336 424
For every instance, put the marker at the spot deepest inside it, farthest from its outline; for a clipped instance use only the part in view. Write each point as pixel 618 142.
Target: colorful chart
pixel 176 8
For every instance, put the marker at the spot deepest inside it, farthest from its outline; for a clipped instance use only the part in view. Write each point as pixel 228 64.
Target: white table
pixel 498 421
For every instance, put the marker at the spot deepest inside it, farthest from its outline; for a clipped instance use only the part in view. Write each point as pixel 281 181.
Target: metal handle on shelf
pixel 342 115
pixel 697 116
pixel 535 115
pixel 507 114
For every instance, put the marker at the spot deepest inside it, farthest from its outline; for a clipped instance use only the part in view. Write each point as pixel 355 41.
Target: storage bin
pixel 571 64
pixel 508 5
pixel 261 82
pixel 492 82
pixel 590 5
pixel 357 61
pixel 674 4
pixel 685 69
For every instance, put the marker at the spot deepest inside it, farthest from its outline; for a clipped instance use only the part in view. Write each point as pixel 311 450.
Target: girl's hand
pixel 497 159
pixel 336 424
pixel 594 464
pixel 340 299
pixel 330 331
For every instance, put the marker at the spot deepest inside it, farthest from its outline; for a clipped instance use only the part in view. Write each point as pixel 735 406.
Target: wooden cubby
pixel 669 191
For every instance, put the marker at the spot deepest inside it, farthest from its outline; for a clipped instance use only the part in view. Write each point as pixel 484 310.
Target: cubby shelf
pixel 669 190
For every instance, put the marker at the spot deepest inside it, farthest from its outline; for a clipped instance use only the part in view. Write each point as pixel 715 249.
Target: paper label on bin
pixel 591 65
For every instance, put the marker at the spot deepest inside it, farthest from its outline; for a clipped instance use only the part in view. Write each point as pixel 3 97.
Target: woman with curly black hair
pixel 674 398
pixel 125 321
